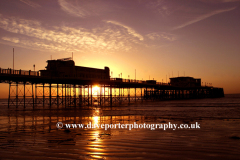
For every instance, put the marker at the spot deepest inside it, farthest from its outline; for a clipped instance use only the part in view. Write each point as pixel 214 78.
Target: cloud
pixel 159 39
pixel 87 8
pixel 162 36
pixel 219 1
pixel 31 3
pixel 202 17
pixel 129 29
pixel 11 39
pixel 33 33
pixel 35 45
pixel 159 6
pixel 72 9
pixel 229 1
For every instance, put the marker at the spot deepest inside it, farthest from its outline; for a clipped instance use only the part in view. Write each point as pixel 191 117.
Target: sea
pixel 176 129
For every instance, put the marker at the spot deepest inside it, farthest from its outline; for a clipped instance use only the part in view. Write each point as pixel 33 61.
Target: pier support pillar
pixel 62 95
pixel 135 94
pixel 119 94
pixel 57 97
pixel 33 95
pixel 70 95
pixel 17 95
pixel 88 96
pixel 9 93
pixel 24 96
pixel 110 95
pixel 80 95
pixel 65 95
pixel 50 94
pixel 91 95
pixel 103 93
pixel 43 95
pixel 100 99
pixel 128 95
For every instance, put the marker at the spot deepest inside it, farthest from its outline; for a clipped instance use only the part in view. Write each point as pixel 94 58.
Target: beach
pixel 33 133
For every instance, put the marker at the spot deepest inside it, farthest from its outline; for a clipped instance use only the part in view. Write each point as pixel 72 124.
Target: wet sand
pixel 32 134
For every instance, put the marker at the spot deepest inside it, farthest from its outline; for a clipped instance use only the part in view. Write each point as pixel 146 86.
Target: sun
pixel 95 90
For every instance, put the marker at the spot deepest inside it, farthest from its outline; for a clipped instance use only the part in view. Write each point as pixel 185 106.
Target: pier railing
pixel 136 81
pixel 19 72
pixel 37 73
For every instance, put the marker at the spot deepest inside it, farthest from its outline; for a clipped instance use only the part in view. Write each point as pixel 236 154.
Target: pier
pixel 32 88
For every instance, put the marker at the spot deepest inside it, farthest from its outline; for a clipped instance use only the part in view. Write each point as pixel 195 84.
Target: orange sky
pixel 157 38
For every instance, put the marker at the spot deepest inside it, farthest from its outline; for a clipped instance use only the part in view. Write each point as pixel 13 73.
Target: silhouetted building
pixel 151 81
pixel 185 82
pixel 66 68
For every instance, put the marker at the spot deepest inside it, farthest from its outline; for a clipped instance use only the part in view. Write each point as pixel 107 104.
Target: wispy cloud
pixel 159 39
pixel 129 29
pixel 229 0
pixel 72 9
pixel 202 17
pixel 31 3
pixel 11 39
pixel 162 36
pixel 219 1
pixel 30 44
pixel 159 6
pixel 106 38
pixel 84 9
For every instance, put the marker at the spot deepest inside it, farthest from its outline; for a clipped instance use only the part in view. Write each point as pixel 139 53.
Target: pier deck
pixel 30 88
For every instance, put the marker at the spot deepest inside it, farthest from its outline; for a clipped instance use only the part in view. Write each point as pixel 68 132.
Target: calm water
pixel 32 134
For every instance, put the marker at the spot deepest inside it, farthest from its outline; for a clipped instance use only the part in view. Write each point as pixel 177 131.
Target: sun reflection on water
pixel 96 146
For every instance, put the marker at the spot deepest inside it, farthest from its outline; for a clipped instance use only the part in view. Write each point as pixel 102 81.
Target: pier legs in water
pixel 67 95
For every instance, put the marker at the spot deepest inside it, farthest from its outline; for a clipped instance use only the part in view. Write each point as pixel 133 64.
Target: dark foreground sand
pixel 32 134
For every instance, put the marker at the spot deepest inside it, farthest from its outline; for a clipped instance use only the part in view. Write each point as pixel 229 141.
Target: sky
pixel 157 38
